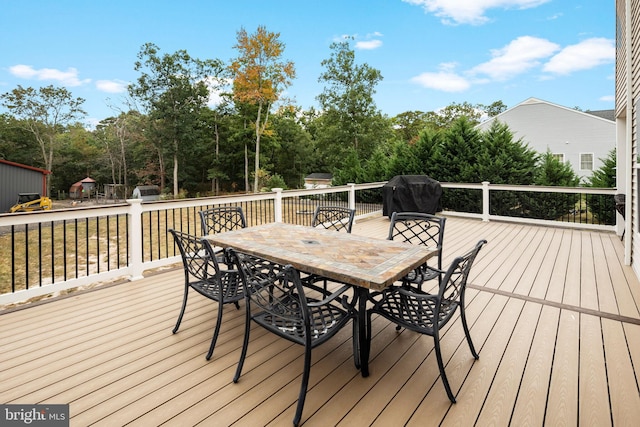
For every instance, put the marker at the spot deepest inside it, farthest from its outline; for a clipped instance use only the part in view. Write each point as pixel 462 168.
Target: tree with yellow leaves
pixel 259 78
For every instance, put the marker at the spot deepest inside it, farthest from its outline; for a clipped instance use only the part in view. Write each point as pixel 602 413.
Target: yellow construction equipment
pixel 28 202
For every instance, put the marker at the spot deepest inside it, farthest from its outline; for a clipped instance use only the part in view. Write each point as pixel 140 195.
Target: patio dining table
pixel 366 263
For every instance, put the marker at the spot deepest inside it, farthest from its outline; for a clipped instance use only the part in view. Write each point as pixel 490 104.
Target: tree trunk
pixel 246 169
pixel 216 180
pixel 123 153
pixel 175 175
pixel 256 175
pixel 162 173
pixel 49 167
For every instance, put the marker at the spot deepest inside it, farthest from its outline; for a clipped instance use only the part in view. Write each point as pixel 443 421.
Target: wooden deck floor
pixel 554 314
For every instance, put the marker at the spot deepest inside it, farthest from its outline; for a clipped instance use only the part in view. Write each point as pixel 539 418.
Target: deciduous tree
pixel 350 120
pixel 44 112
pixel 172 89
pixel 260 76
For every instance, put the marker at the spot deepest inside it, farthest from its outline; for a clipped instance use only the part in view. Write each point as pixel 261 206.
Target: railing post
pixel 135 238
pixel 277 204
pixel 485 201
pixel 352 195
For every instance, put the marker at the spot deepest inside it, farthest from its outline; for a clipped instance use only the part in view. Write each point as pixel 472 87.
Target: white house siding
pixel 627 99
pixel 633 52
pixel 543 125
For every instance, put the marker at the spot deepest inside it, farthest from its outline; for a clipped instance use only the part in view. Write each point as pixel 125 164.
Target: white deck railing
pixel 48 252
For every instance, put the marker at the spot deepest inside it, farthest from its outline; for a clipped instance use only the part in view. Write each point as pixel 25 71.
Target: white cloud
pixel 369 44
pixel 517 57
pixel 216 88
pixel 111 86
pixel 445 80
pixel 608 98
pixel 67 78
pixel 522 55
pixel 587 54
pixel 91 123
pixel 470 11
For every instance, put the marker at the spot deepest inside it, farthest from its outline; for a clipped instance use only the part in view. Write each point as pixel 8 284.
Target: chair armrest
pixel 432 268
pixel 417 294
pixel 332 297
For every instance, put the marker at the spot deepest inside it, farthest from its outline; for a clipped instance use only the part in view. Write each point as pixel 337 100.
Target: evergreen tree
pixel 456 161
pixel 503 160
pixel 552 172
pixel 603 207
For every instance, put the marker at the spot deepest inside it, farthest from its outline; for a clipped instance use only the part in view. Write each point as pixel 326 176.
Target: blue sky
pixel 430 53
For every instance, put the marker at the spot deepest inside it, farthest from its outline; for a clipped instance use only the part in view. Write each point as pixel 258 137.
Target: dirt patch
pixel 70 203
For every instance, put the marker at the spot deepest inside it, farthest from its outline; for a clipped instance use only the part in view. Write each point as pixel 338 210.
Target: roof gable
pixel 19 165
pixel 561 110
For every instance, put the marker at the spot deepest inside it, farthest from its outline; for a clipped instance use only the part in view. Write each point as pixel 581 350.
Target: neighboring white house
pixel 580 138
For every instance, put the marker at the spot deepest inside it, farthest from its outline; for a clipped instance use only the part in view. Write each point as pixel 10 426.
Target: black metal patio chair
pixel 219 220
pixel 419 229
pixel 426 313
pixel 333 218
pixel 336 218
pixel 203 274
pixel 277 301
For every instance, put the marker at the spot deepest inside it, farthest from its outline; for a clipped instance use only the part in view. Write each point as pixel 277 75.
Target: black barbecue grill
pixel 411 193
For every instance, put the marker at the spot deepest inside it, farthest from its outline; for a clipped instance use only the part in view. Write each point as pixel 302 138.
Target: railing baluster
pixel 26 255
pixel 53 252
pixel 39 254
pixel 13 258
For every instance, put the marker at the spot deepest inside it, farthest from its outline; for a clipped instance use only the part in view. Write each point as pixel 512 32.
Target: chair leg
pixel 304 385
pixel 245 344
pixel 443 375
pixel 216 331
pixel 463 317
pixel 184 306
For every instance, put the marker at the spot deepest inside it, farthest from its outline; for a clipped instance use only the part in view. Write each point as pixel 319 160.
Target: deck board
pixel 625 403
pixel 594 401
pixel 562 403
pixel 587 281
pixel 553 313
pixel 529 408
pixel 501 398
pixel 479 380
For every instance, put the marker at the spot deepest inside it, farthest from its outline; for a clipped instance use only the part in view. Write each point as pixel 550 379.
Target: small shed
pixel 411 193
pixel 82 189
pixel 318 180
pixel 89 185
pixel 75 191
pixel 147 192
pixel 113 191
